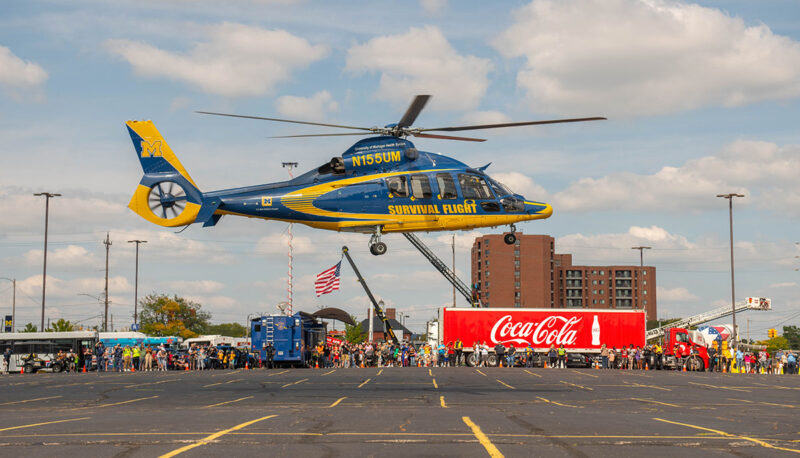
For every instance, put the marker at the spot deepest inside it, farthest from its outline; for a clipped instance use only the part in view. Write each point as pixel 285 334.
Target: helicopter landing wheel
pixel 378 248
pixel 510 238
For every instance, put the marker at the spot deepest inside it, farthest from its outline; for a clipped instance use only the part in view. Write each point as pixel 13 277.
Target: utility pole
pixel 136 284
pixel 13 302
pixel 641 255
pixel 453 245
pixel 730 197
pixel 108 244
pixel 47 196
pixel 290 284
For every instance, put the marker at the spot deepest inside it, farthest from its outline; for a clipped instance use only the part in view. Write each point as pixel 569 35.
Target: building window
pixel 644 291
pixel 487 263
pixel 486 295
pixel 594 282
pixel 644 282
pixel 602 272
pixel 486 284
pixel 644 272
pixel 486 252
pixel 516 242
pixel 594 291
pixel 516 274
pixel 644 302
pixel 516 294
pixel 602 301
pixel 602 282
pixel 624 303
pixel 516 253
pixel 594 301
pixel 516 284
pixel 487 274
pixel 516 264
pixel 486 242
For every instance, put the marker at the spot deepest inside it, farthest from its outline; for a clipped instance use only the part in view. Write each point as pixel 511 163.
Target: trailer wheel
pixel 492 359
pixel 471 359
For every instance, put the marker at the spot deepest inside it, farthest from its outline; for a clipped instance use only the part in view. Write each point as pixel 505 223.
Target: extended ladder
pixel 270 324
pixel 442 268
pixel 750 304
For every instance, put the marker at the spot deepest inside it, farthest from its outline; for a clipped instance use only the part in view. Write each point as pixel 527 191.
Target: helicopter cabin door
pixel 412 200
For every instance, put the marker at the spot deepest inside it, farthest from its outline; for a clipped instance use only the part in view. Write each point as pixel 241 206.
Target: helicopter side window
pixel 447 186
pixel 397 186
pixel 474 187
pixel 421 187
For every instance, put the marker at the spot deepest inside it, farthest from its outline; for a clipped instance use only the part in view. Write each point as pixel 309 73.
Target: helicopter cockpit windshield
pixel 499 188
pixel 511 203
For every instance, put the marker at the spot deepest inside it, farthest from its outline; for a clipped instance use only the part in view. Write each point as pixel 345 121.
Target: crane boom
pixel 378 309
pixel 752 303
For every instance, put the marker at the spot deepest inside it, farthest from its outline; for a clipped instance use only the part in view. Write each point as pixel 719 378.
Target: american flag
pixel 328 280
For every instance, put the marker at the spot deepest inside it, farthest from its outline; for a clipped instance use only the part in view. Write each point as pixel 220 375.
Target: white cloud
pixel 311 108
pixel 522 184
pixel 236 60
pixel 196 286
pixel 433 6
pixel 764 172
pixel 636 57
pixel 69 256
pixel 486 117
pixel 787 284
pixel 17 73
pixel 674 295
pixel 422 61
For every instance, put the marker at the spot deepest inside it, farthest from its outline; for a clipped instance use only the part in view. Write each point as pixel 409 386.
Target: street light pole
pixel 136 282
pixel 641 255
pixel 730 197
pixel 47 196
pixel 13 302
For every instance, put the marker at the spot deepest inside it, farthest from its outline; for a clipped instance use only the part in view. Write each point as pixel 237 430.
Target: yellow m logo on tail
pixel 151 149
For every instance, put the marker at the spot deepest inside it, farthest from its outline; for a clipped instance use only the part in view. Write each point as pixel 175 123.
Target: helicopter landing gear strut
pixel 376 247
pixel 511 237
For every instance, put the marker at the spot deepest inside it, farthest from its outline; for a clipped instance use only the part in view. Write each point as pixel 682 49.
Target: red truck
pixel 581 331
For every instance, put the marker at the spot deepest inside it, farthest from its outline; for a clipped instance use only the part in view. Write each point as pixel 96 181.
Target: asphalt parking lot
pixel 399 411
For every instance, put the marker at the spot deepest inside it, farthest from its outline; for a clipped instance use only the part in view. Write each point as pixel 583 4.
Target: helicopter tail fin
pixel 166 195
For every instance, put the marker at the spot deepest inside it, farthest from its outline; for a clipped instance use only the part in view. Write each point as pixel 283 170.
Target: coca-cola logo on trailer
pixel 556 330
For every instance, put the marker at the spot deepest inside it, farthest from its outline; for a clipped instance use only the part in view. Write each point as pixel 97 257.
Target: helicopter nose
pixel 540 209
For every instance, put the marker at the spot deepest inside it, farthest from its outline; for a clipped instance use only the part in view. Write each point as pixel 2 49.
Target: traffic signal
pixel 772 333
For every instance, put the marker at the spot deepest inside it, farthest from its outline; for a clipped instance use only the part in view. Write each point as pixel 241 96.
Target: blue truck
pixel 292 337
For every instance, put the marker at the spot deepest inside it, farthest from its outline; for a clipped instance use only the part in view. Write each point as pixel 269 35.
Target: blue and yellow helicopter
pixel 380 184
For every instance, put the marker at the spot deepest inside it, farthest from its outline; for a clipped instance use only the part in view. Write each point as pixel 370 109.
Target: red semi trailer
pixel 581 331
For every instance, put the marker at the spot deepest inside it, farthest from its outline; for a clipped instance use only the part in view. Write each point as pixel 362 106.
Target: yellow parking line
pixel 45 423
pixel 535 375
pixel 656 402
pixel 294 383
pixel 227 402
pixel 721 387
pixel 28 400
pixel 479 371
pixel 506 384
pixel 578 386
pixel 278 373
pixel 210 438
pixel 115 403
pixel 379 372
pixel 430 373
pixel 722 433
pixel 231 381
pixel 487 444
pixel 365 382
pixel 441 400
pixel 556 403
pixel 212 384
pixel 584 373
pixel 435 385
pixel 328 373
pixel 337 402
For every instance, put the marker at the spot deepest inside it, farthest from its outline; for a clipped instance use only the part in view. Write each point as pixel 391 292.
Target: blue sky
pixel 702 99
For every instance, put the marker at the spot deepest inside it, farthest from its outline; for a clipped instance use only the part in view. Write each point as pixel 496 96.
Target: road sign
pixel 134 327
pixel 7 324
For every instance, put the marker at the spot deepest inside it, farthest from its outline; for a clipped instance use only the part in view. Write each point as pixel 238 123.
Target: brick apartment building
pixel 531 274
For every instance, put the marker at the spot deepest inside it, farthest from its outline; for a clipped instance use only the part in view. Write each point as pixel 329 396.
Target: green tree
pixel 792 335
pixel 227 329
pixel 61 325
pixel 30 327
pixel 162 315
pixel 354 334
pixel 776 343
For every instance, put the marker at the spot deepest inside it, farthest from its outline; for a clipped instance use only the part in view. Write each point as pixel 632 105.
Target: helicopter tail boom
pixel 166 195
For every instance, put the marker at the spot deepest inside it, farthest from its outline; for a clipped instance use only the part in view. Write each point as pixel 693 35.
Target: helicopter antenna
pixel 290 285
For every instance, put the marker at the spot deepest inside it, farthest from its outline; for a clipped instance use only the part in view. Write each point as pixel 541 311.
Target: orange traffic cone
pixel 246 366
pixel 84 369
pixel 646 367
pixel 501 363
pixel 724 368
pixel 22 370
pixel 316 365
pixel 187 367
pixel 684 368
pixel 545 364
pixel 133 369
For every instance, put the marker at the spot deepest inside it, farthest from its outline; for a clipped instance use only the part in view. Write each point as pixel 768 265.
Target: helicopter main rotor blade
pixel 285 120
pixel 321 135
pixel 510 124
pixel 449 137
pixel 413 110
